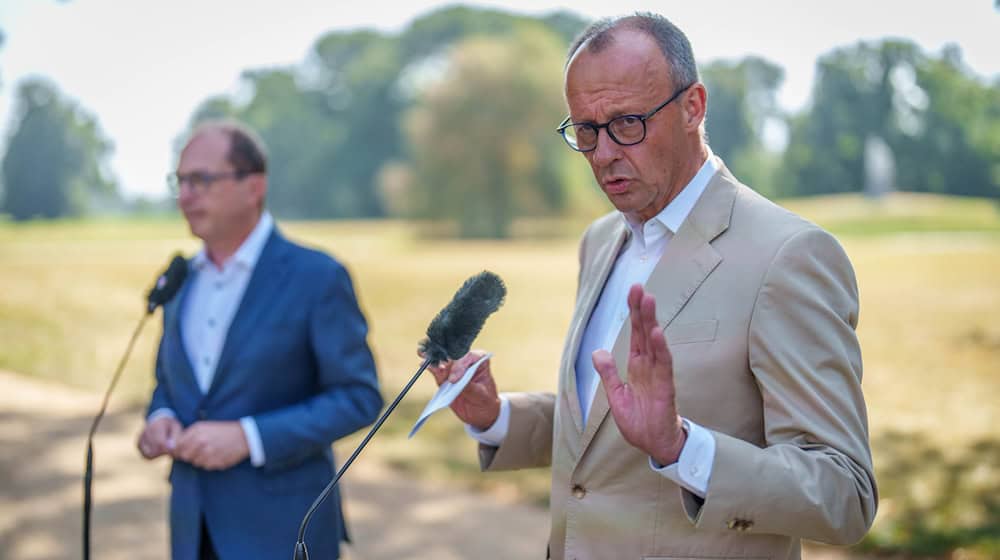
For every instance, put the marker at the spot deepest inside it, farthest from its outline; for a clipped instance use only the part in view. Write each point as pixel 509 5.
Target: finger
pixel 463 363
pixel 605 365
pixel 661 352
pixel 142 445
pixel 184 445
pixel 440 371
pixel 637 344
pixel 173 431
pixel 647 313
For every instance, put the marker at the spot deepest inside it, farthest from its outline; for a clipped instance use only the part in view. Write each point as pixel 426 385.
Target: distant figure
pixel 709 401
pixel 262 365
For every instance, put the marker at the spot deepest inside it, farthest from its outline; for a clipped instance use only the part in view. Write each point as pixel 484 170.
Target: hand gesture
pixel 212 445
pixel 644 408
pixel 159 437
pixel 479 403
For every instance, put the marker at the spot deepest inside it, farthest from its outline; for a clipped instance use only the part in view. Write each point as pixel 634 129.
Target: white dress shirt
pixel 635 263
pixel 213 298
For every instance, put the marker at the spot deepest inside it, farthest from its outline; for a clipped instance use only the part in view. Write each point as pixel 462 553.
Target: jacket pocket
pixel 687 333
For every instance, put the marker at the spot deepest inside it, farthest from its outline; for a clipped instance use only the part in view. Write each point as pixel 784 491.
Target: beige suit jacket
pixel 759 308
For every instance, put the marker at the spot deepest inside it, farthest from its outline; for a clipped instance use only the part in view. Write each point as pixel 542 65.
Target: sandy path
pixel 42 444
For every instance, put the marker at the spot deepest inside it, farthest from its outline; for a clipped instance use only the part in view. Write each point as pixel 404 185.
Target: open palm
pixel 644 407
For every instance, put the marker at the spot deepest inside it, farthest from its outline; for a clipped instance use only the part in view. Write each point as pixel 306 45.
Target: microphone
pixel 452 331
pixel 165 288
pixel 167 284
pixel 449 336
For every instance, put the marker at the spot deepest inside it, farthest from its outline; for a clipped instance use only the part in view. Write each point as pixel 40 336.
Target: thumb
pixel 605 365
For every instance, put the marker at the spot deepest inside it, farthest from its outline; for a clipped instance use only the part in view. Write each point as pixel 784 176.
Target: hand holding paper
pixel 447 393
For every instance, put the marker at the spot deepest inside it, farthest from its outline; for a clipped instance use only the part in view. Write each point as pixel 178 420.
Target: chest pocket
pixel 688 333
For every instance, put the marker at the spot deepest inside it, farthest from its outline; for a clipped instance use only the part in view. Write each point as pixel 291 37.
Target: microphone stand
pixel 300 546
pixel 89 471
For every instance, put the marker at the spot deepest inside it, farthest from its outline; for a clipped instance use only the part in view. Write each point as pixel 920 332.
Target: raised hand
pixel 644 408
pixel 479 403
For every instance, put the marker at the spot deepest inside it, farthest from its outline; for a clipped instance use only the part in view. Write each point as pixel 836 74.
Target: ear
pixel 258 186
pixel 694 103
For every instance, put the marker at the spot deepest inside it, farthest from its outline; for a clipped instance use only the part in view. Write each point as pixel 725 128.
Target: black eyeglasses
pixel 625 130
pixel 200 182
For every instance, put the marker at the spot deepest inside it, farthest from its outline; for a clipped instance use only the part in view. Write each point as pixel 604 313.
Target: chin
pixel 197 230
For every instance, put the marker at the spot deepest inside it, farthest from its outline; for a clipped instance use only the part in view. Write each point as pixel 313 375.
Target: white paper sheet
pixel 446 393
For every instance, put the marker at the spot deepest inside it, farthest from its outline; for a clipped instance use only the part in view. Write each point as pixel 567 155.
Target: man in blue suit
pixel 262 365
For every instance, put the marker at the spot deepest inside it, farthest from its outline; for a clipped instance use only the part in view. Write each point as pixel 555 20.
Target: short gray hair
pixel 672 42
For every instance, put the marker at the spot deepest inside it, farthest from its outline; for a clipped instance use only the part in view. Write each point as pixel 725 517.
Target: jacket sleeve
pixel 529 438
pixel 160 398
pixel 347 397
pixel 813 478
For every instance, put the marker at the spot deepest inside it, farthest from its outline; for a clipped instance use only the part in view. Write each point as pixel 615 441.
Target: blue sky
pixel 142 66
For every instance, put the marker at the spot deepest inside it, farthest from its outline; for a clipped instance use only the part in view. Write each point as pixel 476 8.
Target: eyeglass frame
pixel 175 181
pixel 566 123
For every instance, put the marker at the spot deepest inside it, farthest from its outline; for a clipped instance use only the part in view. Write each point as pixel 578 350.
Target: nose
pixel 607 150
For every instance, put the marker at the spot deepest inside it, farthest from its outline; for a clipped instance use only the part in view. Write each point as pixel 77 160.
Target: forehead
pixel 627 74
pixel 207 150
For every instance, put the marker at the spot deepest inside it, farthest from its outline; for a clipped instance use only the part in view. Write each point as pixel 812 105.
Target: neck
pixel 220 250
pixel 691 165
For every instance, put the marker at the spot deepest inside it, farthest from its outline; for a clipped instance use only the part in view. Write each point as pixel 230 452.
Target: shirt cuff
pixel 693 468
pixel 253 441
pixel 160 413
pixel 495 434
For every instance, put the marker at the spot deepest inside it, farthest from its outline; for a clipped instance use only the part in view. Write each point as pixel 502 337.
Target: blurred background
pixel 415 141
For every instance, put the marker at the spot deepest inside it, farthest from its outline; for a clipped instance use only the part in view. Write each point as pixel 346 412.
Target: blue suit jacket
pixel 297 361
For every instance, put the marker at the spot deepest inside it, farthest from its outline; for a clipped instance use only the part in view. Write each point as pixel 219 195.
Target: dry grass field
pixel 928 268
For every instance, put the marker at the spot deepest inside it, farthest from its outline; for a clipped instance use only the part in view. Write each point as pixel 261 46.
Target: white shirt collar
pixel 249 251
pixel 677 210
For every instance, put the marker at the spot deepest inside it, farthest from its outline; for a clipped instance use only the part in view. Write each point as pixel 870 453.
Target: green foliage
pixel 954 144
pixel 742 98
pixel 941 122
pixel 481 137
pixel 334 124
pixel 54 164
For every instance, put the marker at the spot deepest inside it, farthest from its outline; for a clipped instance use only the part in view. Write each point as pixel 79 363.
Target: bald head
pixel 245 152
pixel 670 41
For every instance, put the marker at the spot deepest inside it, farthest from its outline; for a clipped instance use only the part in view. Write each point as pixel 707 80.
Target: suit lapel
pixel 266 279
pixel 172 327
pixel 687 261
pixel 592 286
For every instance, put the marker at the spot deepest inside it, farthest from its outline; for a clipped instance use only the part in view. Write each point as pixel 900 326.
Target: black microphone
pixel 449 336
pixel 167 284
pixel 165 288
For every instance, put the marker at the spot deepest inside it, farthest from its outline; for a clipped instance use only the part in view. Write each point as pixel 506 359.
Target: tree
pixel 481 137
pixel 334 123
pixel 55 160
pixel 940 122
pixel 742 100
pixel 953 143
pixel 854 98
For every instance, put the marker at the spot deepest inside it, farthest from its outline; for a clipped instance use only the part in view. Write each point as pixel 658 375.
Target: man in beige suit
pixel 731 422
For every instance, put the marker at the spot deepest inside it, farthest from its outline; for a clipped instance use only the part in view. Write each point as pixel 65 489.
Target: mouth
pixel 616 185
pixel 192 213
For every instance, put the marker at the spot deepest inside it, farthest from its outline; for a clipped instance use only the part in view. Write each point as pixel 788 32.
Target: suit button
pixel 579 492
pixel 202 414
pixel 739 524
